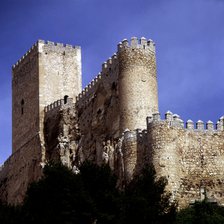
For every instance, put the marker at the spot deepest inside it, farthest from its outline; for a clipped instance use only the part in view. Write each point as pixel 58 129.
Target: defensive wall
pixel 47 72
pixel 113 120
pixel 61 131
pixel 119 98
pixel 25 77
pixel 22 168
pixel 190 157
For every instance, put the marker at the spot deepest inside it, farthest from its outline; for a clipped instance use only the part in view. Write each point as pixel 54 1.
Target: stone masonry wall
pixel 191 159
pixel 138 94
pixel 118 98
pixel 66 143
pixel 59 71
pixel 47 72
pixel 106 123
pixel 59 76
pixel 98 115
pixel 181 155
pixel 25 99
pixel 61 132
pixel 19 170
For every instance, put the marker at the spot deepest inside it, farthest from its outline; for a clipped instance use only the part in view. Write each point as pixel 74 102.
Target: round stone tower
pixel 138 94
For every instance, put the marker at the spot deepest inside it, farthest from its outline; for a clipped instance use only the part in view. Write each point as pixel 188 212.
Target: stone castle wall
pixel 59 76
pixel 59 71
pixel 113 102
pixel 113 120
pixel 97 110
pixel 25 100
pixel 61 133
pixel 137 84
pixel 47 72
pixel 19 170
pixel 191 159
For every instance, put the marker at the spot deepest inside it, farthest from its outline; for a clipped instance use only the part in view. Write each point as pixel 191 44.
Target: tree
pixel 10 214
pixel 146 200
pixel 91 197
pixel 59 197
pixel 201 213
pixel 100 183
pixel 64 197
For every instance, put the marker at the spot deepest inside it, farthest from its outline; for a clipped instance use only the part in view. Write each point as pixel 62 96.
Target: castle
pixel 113 120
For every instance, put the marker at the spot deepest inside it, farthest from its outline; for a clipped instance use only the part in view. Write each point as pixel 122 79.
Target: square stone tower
pixel 47 72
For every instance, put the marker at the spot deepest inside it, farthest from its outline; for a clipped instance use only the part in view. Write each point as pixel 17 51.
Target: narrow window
pixel 65 99
pixel 99 111
pixel 22 106
pixel 113 87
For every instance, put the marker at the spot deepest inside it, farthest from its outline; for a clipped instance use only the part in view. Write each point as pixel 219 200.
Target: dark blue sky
pixel 189 38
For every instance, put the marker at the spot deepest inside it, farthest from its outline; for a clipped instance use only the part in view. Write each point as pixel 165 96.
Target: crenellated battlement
pixel 141 43
pixel 174 120
pixel 89 90
pixel 136 134
pixel 36 48
pixel 129 135
pixel 50 43
pixel 109 66
pixel 62 103
pixel 33 49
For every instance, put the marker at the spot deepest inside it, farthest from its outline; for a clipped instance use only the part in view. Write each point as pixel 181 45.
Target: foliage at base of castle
pixel 91 196
pixel 146 200
pixel 204 212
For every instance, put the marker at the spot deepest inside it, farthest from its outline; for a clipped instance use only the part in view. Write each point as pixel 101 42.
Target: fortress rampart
pixel 19 170
pixel 107 75
pixel 115 119
pixel 135 102
pixel 176 121
pixel 59 104
pixel 112 103
pixel 36 48
pixel 33 50
pixel 190 158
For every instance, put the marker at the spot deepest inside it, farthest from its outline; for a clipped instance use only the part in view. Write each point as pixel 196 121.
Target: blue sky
pixel 189 38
